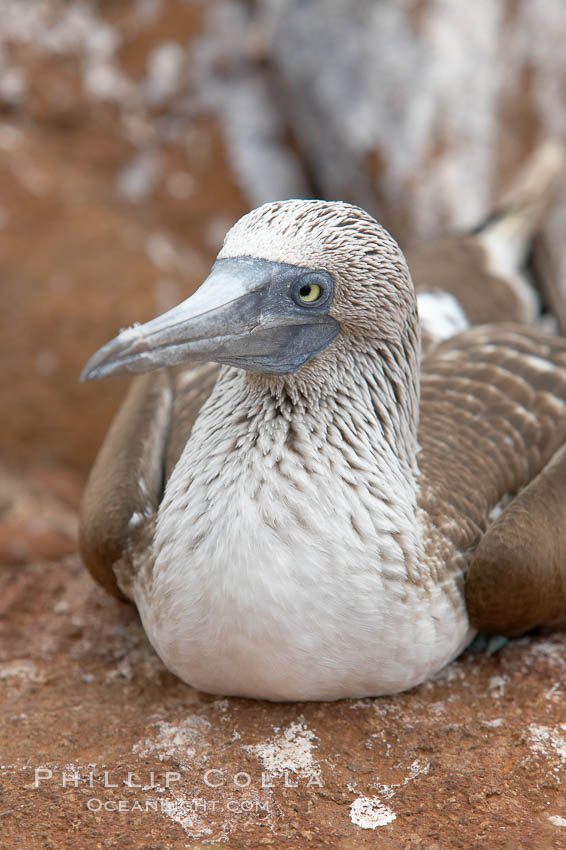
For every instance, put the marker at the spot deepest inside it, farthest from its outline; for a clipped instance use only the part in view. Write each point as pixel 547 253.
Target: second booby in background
pixel 499 272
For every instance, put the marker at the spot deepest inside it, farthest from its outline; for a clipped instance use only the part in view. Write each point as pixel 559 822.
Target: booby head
pixel 292 278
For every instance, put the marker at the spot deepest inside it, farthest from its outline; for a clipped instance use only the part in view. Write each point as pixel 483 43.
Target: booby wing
pixel 127 481
pixel 517 578
pixel 498 272
pixel 493 472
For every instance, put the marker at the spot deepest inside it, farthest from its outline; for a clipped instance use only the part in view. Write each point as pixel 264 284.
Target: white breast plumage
pixel 280 574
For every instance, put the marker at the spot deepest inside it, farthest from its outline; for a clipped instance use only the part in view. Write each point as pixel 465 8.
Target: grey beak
pixel 242 315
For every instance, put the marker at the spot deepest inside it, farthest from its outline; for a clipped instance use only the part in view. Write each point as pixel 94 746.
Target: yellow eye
pixel 310 292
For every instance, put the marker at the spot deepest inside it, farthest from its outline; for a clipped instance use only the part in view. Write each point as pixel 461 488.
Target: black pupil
pixel 305 291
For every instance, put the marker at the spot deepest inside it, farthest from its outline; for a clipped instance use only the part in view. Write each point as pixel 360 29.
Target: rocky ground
pixel 132 134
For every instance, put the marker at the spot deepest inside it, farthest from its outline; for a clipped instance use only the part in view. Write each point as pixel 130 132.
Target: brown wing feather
pixel 127 481
pixel 493 415
pixel 527 544
pixel 459 265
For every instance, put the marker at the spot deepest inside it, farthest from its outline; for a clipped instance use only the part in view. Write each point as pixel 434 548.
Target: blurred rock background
pixel 134 132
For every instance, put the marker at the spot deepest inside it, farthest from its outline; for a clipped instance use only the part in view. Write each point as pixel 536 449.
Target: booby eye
pixel 313 290
pixel 310 292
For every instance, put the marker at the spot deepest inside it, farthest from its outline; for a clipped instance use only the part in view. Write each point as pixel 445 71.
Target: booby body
pixel 310 542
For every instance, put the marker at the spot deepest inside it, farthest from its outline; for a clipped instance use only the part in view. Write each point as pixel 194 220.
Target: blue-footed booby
pixel 300 508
